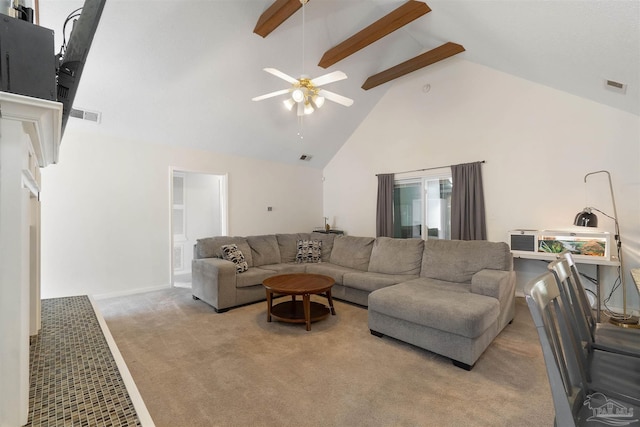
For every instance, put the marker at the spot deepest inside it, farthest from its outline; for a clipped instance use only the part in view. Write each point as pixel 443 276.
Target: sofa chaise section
pixel 464 297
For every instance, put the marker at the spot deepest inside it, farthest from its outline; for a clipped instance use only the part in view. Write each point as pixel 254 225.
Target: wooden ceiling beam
pixel 431 57
pixel 275 15
pixel 400 17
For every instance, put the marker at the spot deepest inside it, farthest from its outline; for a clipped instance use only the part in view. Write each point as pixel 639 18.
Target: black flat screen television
pixel 27 60
pixel 74 57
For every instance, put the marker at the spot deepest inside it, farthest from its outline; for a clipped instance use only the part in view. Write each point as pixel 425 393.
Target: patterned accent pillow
pixel 309 251
pixel 233 254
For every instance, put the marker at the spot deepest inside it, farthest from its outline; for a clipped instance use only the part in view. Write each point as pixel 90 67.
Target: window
pixel 422 206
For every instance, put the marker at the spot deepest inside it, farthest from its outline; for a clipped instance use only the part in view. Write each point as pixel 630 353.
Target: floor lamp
pixel 587 218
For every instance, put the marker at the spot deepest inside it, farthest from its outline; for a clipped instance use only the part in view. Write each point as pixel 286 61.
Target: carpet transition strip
pixel 75 380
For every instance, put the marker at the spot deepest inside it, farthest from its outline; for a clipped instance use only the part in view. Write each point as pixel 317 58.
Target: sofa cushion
pixel 327 269
pixel 352 252
pixel 253 276
pixel 288 245
pixel 396 256
pixel 368 281
pixel 210 247
pixel 286 268
pixel 441 285
pixel 458 260
pixel 264 249
pixel 465 314
pixel 233 254
pixel 309 251
pixel 327 243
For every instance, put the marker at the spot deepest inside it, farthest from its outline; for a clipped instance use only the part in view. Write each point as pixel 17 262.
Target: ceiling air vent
pixel 305 157
pixel 92 116
pixel 615 86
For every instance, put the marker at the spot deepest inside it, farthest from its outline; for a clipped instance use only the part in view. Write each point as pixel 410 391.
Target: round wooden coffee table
pixel 305 311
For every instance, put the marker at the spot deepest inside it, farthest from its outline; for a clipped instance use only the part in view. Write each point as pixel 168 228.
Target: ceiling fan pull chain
pixel 300 130
pixel 303 19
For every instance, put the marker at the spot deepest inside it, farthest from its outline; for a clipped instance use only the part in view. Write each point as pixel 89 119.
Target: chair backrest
pixel 565 370
pixel 571 292
pixel 581 292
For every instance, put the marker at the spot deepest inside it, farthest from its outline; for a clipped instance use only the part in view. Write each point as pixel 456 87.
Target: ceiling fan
pixel 306 92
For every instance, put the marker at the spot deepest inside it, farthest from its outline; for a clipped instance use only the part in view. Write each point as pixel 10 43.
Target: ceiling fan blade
pixel 347 102
pixel 282 75
pixel 328 78
pixel 270 95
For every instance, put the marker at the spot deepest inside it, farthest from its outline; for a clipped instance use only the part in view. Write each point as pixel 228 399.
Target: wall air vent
pixel 92 116
pixel 305 157
pixel 615 86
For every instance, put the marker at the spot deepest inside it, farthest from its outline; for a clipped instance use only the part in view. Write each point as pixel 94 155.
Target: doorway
pixel 198 210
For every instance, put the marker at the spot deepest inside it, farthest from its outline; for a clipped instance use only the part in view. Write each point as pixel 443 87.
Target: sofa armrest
pixel 214 282
pixel 493 283
pixel 501 285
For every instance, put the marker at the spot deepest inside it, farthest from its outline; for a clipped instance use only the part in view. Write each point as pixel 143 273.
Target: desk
pixel 597 261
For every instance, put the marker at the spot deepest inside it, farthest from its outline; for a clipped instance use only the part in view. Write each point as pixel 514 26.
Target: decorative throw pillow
pixel 309 251
pixel 233 254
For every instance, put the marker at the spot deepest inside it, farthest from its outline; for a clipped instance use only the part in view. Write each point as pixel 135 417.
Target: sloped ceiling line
pixel 400 17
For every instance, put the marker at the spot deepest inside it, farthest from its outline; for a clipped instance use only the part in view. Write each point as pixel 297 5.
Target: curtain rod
pixel 429 169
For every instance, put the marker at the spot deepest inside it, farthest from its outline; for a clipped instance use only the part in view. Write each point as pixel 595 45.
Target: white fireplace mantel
pixel 30 134
pixel 41 120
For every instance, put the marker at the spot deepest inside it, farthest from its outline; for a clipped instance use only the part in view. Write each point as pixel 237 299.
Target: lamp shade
pixel 586 218
pixel 289 103
pixel 308 108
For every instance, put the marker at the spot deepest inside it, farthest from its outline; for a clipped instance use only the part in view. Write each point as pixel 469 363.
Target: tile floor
pixel 74 377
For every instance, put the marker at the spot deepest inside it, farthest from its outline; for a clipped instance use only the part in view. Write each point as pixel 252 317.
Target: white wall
pixel 105 209
pixel 538 144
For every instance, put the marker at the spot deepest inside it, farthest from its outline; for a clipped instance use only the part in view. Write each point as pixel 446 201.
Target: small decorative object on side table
pixel 327 228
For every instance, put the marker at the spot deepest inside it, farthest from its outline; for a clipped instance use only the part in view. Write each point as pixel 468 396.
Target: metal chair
pixel 599 336
pixel 577 401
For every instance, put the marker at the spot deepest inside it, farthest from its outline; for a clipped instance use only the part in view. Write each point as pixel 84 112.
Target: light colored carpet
pixel 194 367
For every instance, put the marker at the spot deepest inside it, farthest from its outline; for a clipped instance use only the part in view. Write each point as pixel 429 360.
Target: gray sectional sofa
pixel 449 297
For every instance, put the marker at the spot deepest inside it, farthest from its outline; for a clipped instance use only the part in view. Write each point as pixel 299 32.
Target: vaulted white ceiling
pixel 184 72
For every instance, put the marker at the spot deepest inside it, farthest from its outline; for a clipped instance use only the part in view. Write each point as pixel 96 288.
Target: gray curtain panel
pixel 384 209
pixel 468 221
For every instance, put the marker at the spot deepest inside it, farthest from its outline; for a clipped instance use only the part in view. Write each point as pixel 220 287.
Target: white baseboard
pixel 132 389
pixel 130 292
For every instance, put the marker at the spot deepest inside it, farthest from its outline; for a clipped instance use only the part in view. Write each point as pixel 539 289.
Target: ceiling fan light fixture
pixel 289 103
pixel 308 108
pixel 318 101
pixel 297 95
